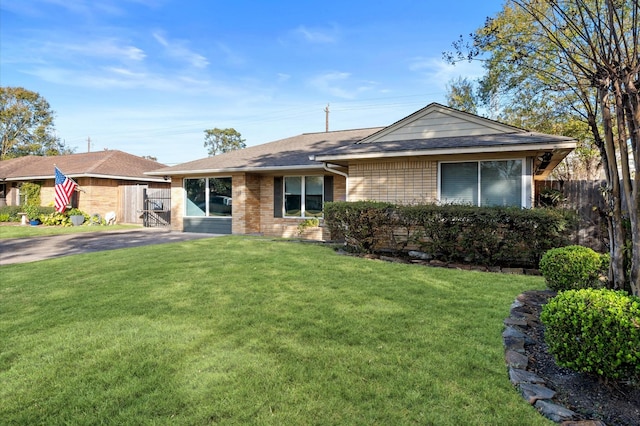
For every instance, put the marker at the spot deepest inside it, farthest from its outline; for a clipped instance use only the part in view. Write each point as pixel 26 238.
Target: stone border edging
pixel 531 386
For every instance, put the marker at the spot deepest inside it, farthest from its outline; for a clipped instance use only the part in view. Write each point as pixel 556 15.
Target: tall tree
pixel 219 141
pixel 585 54
pixel 461 95
pixel 26 123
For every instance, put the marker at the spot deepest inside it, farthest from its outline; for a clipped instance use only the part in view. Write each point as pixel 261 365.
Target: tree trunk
pixel 612 195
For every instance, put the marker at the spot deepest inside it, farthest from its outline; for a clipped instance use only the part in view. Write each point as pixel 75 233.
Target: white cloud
pixel 108 48
pixel 439 73
pixel 231 56
pixel 339 84
pixel 177 49
pixel 321 36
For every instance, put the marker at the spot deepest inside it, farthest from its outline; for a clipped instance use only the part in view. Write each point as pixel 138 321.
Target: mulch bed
pixel 615 403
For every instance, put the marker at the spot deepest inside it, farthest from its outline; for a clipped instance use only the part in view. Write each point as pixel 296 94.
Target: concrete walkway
pixel 22 250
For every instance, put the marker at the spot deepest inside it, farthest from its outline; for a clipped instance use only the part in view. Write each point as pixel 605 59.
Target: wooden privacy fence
pixel 584 197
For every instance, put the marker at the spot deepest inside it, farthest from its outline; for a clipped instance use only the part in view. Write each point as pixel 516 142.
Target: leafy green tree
pixel 582 57
pixel 461 95
pixel 219 141
pixel 26 123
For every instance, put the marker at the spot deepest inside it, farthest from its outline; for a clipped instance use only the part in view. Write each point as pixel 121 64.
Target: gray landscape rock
pixel 534 392
pixel 554 412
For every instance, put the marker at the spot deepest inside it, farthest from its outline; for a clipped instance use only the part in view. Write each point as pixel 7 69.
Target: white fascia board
pixel 447 151
pixel 235 170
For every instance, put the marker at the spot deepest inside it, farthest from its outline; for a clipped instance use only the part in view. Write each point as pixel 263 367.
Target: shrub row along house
pixel 436 154
pixel 108 180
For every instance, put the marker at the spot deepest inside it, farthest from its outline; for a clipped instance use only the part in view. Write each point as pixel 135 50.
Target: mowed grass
pixel 238 330
pixel 13 230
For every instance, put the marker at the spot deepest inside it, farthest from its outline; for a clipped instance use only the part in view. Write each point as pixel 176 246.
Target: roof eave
pixel 235 170
pixel 446 151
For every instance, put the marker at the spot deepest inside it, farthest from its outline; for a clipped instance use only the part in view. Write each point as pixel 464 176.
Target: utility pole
pixel 89 144
pixel 326 119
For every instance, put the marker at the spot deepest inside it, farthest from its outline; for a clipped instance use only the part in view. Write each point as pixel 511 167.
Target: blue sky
pixel 149 76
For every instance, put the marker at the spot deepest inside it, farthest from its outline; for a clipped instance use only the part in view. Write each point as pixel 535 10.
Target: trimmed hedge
pixel 594 331
pixel 572 267
pixel 364 225
pixel 481 235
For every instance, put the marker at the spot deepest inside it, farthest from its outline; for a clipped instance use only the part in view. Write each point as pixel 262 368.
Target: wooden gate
pixel 132 203
pixel 157 207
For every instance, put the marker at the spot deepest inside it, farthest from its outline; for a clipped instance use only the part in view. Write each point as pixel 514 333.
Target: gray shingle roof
pixel 289 153
pixel 504 141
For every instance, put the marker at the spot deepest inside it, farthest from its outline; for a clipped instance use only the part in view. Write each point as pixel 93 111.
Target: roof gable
pixel 437 121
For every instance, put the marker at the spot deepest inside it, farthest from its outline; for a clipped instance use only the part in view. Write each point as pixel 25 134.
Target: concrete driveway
pixel 22 250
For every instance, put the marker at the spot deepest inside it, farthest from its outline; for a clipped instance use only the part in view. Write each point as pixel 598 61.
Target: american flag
pixel 64 188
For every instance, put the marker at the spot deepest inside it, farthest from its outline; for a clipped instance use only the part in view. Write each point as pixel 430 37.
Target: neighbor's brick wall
pixel 47 193
pixel 96 195
pixel 100 196
pixel 394 181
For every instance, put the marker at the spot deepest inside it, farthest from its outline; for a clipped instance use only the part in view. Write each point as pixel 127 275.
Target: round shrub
pixel 571 267
pixel 594 331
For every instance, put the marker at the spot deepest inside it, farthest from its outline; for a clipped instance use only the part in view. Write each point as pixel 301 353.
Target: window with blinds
pixel 482 183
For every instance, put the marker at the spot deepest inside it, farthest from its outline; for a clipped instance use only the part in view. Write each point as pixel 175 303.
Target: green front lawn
pixel 19 231
pixel 238 330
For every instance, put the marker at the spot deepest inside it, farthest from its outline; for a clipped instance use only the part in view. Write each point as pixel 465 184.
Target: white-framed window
pixel 303 196
pixel 482 183
pixel 208 196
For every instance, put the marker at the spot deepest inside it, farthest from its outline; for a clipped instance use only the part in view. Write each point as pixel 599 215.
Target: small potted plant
pixel 33 214
pixel 76 216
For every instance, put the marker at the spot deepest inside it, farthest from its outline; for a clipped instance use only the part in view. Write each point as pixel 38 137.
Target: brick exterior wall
pixel 246 203
pixel 97 195
pixel 402 181
pixel 177 204
pixel 100 196
pixel 287 227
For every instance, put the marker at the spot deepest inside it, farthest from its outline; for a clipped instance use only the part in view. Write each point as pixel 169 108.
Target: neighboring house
pixel 108 180
pixel 437 154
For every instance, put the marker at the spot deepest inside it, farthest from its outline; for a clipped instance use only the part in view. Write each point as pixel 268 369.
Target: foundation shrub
pixel 595 331
pixel 572 267
pixel 364 226
pixel 485 235
pixel 479 235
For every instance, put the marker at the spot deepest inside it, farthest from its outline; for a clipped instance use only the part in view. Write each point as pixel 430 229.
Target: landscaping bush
pixel 594 331
pixel 10 213
pixel 572 267
pixel 53 218
pixel 480 235
pixel 365 226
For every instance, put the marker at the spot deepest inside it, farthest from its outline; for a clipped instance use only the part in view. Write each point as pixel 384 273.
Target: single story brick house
pixel 109 180
pixel 437 154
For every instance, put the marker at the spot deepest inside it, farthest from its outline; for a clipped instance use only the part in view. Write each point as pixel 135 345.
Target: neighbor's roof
pixel 290 153
pixel 108 164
